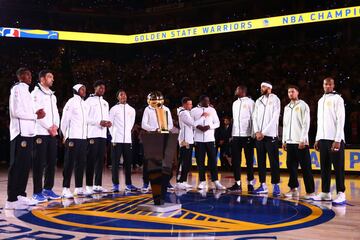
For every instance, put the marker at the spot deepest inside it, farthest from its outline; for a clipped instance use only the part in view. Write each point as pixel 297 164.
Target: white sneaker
pixel 79 191
pixel 66 193
pixel 219 186
pixel 203 193
pixel 180 185
pixel 309 196
pixel 340 199
pixel 322 197
pixel 292 193
pixel 202 185
pixel 188 185
pixel 27 201
pixel 217 193
pixel 99 189
pixel 89 190
pixel 16 205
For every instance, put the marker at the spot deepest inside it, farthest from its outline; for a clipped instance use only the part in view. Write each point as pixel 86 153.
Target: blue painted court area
pixel 212 213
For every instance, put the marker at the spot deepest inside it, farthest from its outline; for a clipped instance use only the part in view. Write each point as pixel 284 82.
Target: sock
pixel 238 183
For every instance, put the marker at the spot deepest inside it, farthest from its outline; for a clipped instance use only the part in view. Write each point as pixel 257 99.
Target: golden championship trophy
pixel 156 100
pixel 159 151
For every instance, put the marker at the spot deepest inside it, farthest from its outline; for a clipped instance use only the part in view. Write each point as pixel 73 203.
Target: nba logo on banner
pixel 10 32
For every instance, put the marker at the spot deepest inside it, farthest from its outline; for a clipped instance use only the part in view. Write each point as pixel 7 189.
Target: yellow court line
pixel 134 204
pixel 119 205
pixel 205 227
pixel 165 220
pixel 184 215
pixel 174 213
pixel 229 225
pixel 149 213
pixel 107 203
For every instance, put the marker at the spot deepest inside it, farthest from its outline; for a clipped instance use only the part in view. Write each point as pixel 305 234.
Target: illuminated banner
pixel 279 21
pixel 352 160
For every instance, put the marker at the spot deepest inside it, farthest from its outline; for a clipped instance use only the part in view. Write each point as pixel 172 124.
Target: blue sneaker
pixel 49 194
pixel 276 190
pixel 145 188
pixel 261 190
pixel 131 188
pixel 39 198
pixel 115 188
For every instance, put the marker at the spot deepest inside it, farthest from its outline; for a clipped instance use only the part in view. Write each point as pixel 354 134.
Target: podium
pixel 159 152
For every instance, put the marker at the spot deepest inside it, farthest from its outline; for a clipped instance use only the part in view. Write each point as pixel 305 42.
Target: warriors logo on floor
pixel 202 214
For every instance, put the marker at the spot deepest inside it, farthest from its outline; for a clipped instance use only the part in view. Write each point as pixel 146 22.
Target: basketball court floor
pixel 204 215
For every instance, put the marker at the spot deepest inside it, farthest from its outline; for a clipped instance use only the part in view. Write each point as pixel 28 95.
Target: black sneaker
pixel 250 188
pixel 235 188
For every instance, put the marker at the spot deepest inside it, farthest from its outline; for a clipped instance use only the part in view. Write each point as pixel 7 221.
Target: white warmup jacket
pixel 296 123
pixel 74 120
pixel 98 111
pixel 212 120
pixel 242 110
pixel 331 117
pixel 266 115
pixel 22 112
pixel 45 99
pixel 122 117
pixel 149 120
pixel 187 126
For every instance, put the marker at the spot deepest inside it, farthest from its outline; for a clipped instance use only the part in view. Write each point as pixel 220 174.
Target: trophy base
pixel 166 207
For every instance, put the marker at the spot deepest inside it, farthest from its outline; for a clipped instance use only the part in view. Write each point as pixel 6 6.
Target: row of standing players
pixel 255 124
pixel 34 123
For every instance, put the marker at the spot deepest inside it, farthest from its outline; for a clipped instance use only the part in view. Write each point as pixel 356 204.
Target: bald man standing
pixel 330 142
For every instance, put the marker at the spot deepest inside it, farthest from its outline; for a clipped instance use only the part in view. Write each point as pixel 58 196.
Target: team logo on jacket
pixel 71 144
pixel 38 141
pixel 201 216
pixel 92 141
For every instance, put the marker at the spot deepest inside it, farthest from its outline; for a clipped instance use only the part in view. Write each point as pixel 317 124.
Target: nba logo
pixel 10 32
pixel 266 22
